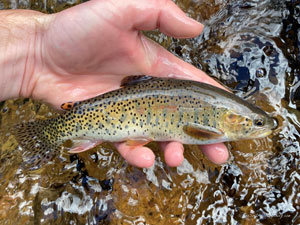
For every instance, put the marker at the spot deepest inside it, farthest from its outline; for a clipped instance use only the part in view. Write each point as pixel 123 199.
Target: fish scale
pixel 143 110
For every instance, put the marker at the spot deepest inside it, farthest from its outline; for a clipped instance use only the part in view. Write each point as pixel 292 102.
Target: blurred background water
pixel 252 47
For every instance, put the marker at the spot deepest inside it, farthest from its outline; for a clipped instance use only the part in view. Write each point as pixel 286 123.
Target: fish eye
pixel 259 122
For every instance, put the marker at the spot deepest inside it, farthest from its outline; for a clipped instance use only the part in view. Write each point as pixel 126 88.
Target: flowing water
pixel 251 47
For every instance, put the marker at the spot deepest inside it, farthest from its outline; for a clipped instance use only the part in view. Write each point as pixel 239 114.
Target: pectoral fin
pixel 201 132
pixel 83 145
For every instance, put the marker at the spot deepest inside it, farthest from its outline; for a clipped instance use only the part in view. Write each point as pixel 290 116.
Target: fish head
pixel 252 125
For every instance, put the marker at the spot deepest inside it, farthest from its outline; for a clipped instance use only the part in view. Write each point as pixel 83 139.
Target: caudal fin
pixel 38 146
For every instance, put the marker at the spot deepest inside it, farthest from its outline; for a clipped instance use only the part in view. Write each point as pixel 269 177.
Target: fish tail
pixel 39 145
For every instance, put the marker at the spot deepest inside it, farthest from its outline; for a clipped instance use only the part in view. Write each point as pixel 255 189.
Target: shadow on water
pixel 251 47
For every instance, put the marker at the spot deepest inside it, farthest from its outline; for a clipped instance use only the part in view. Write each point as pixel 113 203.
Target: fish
pixel 146 109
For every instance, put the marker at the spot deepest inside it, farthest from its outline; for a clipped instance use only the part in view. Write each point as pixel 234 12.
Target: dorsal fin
pixel 131 80
pixel 68 105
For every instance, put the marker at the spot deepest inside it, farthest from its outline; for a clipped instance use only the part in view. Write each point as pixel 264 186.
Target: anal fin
pixel 83 145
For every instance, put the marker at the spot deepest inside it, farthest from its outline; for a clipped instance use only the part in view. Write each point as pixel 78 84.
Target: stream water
pixel 252 47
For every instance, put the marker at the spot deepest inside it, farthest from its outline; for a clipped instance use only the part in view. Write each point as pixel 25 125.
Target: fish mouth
pixel 262 134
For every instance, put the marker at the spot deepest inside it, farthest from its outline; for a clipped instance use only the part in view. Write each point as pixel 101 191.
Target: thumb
pixel 164 15
pixel 167 17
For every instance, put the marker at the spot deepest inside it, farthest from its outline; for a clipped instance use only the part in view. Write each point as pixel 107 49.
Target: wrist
pixel 20 46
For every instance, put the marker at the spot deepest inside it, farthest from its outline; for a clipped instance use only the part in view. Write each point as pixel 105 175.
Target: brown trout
pixel 144 110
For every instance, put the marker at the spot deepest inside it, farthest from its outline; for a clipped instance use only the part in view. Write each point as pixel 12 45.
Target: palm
pixel 89 48
pixel 89 42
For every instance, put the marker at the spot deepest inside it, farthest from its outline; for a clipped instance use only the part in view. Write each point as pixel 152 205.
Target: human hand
pixel 88 49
